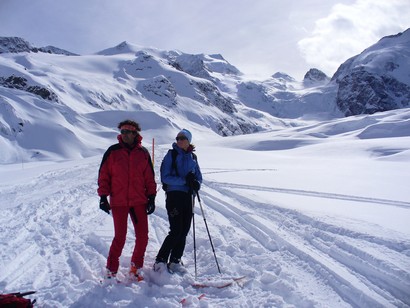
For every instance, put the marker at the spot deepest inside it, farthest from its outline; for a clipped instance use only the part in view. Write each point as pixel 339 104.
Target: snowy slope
pixel 314 216
pixel 76 92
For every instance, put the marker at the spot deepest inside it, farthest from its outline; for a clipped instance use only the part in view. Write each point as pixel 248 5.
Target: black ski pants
pixel 179 209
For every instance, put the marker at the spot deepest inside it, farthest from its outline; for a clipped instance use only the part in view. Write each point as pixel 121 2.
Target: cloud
pixel 349 29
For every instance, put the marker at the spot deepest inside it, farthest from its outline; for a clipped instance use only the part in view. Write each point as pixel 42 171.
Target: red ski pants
pixel 140 222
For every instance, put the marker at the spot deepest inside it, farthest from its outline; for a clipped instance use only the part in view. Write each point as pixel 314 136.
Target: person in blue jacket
pixel 182 179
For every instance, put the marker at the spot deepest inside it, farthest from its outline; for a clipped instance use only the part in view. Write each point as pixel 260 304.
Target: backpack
pixel 16 300
pixel 174 165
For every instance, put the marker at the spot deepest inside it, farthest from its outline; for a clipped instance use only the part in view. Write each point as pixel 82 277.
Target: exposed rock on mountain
pixel 315 77
pixel 201 65
pixel 14 44
pixel 362 92
pixel 376 80
pixel 21 83
pixel 17 44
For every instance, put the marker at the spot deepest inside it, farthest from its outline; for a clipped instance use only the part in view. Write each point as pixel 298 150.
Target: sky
pixel 259 37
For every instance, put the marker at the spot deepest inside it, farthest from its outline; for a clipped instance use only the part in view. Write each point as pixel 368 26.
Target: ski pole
pixel 207 230
pixel 193 228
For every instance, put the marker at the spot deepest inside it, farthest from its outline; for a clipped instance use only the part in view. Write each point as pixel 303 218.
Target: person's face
pixel 128 136
pixel 182 142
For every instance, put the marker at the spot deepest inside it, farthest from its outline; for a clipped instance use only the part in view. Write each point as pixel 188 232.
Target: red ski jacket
pixel 126 175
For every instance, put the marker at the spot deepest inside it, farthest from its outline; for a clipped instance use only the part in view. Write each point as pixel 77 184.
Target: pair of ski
pixel 220 284
pixel 217 284
pixel 196 285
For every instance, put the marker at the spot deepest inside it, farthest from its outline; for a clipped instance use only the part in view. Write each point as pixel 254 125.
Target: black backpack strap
pixel 174 162
pixel 174 154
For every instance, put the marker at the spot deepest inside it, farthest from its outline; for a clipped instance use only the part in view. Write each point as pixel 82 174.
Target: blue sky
pixel 259 37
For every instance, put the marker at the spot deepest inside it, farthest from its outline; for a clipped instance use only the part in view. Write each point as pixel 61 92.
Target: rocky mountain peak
pixel 315 75
pixel 17 44
pixel 377 79
pixel 14 45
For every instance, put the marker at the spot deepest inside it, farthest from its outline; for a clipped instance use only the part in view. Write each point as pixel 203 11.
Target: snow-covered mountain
pixel 378 79
pixel 205 90
pixel 17 44
pixel 313 209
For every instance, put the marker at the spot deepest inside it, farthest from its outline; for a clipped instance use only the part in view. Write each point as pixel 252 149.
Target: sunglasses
pixel 127 131
pixel 181 138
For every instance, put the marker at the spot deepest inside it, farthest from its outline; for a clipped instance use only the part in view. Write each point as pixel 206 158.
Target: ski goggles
pixel 127 131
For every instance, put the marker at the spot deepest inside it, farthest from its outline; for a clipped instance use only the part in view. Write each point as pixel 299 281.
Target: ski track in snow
pixel 402 204
pixel 65 239
pixel 332 252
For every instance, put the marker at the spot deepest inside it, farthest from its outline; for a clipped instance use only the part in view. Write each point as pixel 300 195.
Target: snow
pixel 314 216
pixel 314 209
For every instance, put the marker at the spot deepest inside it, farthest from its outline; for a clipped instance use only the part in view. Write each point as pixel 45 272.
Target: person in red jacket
pixel 126 175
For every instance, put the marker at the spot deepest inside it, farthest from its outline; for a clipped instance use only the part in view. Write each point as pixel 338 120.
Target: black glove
pixel 151 205
pixel 196 186
pixel 190 179
pixel 104 204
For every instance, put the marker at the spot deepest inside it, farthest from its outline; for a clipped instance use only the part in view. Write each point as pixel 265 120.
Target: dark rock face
pixel 315 75
pixel 14 44
pixel 364 93
pixel 21 83
pixel 17 44
pixel 377 79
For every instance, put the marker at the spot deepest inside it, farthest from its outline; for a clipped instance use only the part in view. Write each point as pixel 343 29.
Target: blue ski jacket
pixel 185 163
